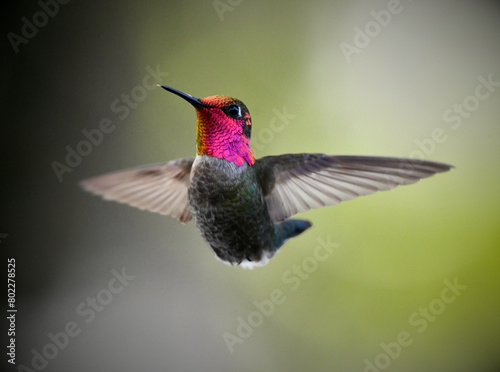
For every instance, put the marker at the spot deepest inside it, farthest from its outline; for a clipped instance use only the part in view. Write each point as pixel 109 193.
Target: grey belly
pixel 230 212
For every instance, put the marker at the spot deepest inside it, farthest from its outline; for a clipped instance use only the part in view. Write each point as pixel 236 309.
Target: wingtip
pixel 444 166
pixel 84 184
pixel 88 185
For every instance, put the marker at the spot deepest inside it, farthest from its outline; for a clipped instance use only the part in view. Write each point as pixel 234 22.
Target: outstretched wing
pixel 295 183
pixel 161 188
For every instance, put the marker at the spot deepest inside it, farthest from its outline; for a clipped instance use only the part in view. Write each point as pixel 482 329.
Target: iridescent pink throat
pixel 219 136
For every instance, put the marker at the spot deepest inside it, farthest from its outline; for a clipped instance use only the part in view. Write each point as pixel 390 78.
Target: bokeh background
pixel 394 251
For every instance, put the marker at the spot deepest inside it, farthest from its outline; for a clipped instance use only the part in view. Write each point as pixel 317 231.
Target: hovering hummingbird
pixel 241 205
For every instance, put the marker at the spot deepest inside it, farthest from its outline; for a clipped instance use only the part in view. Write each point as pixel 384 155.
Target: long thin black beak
pixel 188 97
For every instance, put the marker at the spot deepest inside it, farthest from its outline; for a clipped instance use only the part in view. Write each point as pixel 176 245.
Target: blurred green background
pixel 378 301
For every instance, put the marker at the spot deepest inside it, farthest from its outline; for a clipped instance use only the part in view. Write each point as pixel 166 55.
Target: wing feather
pixel 295 183
pixel 160 188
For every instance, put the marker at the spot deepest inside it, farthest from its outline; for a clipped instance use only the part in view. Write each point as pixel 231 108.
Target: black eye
pixel 234 111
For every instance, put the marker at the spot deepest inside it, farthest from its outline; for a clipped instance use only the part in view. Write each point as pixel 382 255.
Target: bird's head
pixel 223 127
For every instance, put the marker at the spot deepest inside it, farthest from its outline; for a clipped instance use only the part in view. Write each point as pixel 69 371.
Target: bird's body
pixel 224 200
pixel 241 205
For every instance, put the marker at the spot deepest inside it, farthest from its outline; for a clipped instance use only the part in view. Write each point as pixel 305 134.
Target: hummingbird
pixel 241 205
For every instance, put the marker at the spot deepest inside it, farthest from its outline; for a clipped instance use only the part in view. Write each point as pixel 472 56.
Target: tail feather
pixel 289 229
